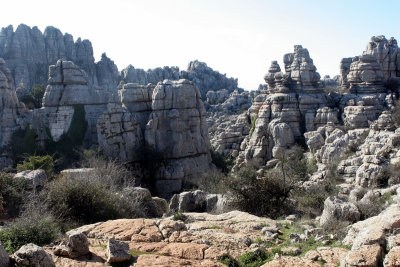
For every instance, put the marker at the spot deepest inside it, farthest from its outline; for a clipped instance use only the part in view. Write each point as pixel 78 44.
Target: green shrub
pixel 12 191
pixel 224 163
pixel 255 258
pixel 38 162
pixel 94 196
pixel 37 94
pixel 36 228
pixel 23 142
pixel 179 216
pixel 229 261
pixel 311 203
pixel 267 193
pixel 253 124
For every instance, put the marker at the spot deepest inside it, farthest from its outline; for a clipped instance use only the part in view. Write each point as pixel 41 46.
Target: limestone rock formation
pixel 229 122
pixel 139 76
pixel 137 99
pixel 295 103
pixel 205 78
pixel 11 113
pixel 372 80
pixel 198 201
pixel 119 133
pixel 331 83
pixel 29 53
pixel 168 120
pixel 177 131
pixel 68 87
pixel 4 257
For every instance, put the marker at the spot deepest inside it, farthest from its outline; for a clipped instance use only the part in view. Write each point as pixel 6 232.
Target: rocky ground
pixel 203 239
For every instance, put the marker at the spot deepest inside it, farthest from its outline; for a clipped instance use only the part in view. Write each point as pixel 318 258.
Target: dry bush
pixel 108 171
pixel 213 182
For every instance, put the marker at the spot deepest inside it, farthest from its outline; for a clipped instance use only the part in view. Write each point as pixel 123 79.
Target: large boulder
pixel 77 245
pixel 31 255
pixel 37 178
pixel 337 209
pixel 193 201
pixel 117 251
pixel 373 230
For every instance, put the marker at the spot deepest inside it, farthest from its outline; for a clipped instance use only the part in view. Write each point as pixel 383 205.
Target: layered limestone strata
pixel 169 120
pixel 371 80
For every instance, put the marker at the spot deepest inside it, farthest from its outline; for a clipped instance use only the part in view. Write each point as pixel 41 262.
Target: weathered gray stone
pixel 31 255
pixel 4 257
pixel 117 251
pixel 37 178
pixel 336 209
pixel 77 245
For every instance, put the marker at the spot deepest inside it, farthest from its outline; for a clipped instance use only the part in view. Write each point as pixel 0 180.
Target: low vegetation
pixel 67 201
pixel 13 192
pixel 29 228
pixel 45 163
pixel 269 192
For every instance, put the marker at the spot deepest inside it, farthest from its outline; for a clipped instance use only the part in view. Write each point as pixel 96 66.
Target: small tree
pixel 37 95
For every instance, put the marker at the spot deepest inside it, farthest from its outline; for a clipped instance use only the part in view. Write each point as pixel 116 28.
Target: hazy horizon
pixel 234 37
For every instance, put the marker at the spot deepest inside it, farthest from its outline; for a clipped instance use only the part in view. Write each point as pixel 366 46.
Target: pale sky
pixel 239 38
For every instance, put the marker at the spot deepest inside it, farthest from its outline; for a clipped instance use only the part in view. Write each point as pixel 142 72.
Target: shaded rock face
pixel 29 53
pixel 11 113
pixel 205 78
pixel 170 121
pixel 228 119
pixel 295 103
pixel 119 133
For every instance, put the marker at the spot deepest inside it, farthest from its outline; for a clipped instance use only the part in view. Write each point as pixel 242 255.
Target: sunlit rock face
pixel 372 80
pixel 68 86
pixel 295 103
pixel 29 53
